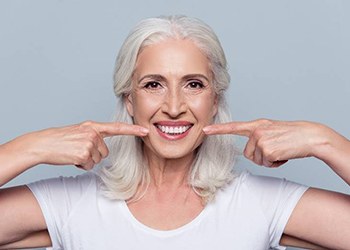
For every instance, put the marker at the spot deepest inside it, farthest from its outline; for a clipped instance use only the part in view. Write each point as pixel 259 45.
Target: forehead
pixel 172 57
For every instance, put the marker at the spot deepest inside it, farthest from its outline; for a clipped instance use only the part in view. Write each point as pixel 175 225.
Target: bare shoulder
pixel 322 217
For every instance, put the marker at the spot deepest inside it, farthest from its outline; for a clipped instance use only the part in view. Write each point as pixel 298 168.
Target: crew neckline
pixel 164 233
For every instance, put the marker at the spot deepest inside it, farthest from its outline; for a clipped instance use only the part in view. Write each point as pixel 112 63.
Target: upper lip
pixel 173 123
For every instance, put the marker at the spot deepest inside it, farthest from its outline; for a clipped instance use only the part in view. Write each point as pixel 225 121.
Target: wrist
pixel 24 149
pixel 328 144
pixel 16 156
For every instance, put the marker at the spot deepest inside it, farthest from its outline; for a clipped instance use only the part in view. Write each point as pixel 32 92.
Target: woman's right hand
pixel 80 144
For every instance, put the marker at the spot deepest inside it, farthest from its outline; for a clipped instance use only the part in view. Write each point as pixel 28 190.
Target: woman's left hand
pixel 272 143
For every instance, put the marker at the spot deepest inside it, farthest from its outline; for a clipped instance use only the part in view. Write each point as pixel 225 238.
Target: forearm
pixel 335 152
pixel 16 156
pixel 33 240
pixel 79 144
pixel 290 241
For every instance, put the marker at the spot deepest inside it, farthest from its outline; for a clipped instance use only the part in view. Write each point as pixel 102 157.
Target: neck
pixel 168 173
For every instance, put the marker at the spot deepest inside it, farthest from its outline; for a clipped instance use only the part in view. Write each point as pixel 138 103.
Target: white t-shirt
pixel 250 213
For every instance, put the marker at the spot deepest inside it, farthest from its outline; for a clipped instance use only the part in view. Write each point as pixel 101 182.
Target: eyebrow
pixel 158 77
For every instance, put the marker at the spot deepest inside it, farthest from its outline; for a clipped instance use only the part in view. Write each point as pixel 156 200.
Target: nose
pixel 174 104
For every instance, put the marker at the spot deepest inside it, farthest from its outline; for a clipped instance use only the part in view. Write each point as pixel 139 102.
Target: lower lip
pixel 173 137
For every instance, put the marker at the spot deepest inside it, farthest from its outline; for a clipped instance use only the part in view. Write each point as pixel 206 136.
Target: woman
pixel 170 183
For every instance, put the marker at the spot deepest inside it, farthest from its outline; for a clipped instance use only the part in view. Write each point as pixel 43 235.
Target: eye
pixel 152 85
pixel 195 85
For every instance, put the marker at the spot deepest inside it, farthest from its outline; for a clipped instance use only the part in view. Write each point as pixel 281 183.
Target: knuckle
pixel 92 136
pixel 270 155
pixel 98 159
pixel 84 156
pixel 89 145
pixel 86 124
pixel 78 161
pixel 263 124
pixel 247 154
pixel 89 165
pixel 260 144
pixel 264 121
pixel 86 166
pixel 258 162
pixel 258 133
pixel 105 153
pixel 267 163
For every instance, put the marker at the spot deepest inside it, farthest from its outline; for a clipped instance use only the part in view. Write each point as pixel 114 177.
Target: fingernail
pixel 144 130
pixel 206 129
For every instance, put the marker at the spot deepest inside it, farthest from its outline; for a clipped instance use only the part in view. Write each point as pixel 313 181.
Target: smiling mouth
pixel 173 130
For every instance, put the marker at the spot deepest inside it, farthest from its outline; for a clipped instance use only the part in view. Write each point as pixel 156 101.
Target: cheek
pixel 144 108
pixel 204 108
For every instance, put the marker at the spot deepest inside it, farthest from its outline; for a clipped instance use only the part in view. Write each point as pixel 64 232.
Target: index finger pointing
pixel 235 128
pixel 107 129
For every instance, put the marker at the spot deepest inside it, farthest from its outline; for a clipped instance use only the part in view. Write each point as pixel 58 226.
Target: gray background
pixel 288 60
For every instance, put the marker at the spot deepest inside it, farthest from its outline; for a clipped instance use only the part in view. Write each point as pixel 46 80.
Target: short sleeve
pixel 57 198
pixel 278 198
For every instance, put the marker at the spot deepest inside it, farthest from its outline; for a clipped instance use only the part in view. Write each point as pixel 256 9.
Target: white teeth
pixel 173 130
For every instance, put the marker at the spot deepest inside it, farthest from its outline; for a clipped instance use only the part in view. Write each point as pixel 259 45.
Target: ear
pixel 129 104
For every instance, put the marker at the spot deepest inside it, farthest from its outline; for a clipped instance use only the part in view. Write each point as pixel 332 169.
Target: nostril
pixel 174 110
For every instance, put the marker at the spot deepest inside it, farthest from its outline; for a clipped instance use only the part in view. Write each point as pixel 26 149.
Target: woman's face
pixel 172 95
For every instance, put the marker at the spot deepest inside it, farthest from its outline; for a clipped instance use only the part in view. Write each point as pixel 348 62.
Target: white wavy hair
pixel 128 175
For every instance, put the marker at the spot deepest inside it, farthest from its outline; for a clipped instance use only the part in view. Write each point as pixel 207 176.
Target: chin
pixel 174 156
pixel 169 150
